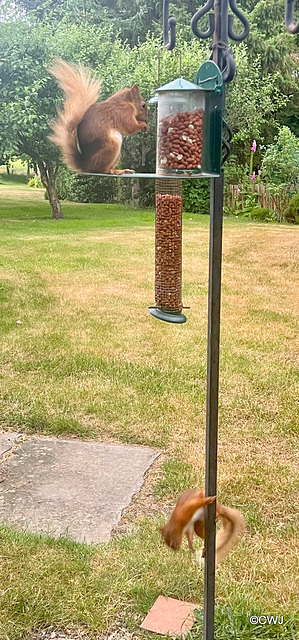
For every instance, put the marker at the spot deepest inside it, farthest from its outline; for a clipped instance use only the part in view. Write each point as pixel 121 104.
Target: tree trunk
pixel 48 173
pixel 53 199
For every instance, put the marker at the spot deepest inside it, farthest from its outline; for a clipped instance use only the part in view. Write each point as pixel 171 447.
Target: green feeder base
pixel 172 316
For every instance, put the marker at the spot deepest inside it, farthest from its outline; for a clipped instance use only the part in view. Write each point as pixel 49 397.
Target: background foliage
pixel 122 43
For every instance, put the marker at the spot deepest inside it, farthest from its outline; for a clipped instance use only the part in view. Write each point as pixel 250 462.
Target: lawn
pixel 88 361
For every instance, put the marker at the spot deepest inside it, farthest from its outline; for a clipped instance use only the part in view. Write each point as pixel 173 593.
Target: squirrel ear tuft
pixel 134 89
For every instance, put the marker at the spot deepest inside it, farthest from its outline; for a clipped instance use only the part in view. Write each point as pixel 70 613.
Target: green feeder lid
pixel 180 84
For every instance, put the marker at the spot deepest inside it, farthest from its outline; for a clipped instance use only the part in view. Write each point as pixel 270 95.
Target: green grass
pixel 89 361
pixel 233 625
pixel 12 180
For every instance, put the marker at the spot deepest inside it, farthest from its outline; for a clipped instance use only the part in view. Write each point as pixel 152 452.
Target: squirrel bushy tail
pixel 81 91
pixel 233 525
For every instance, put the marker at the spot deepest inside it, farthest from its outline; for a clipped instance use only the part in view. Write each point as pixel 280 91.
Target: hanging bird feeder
pixel 189 128
pixel 190 125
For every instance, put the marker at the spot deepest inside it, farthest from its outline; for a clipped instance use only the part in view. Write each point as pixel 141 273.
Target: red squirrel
pixel 90 133
pixel 188 518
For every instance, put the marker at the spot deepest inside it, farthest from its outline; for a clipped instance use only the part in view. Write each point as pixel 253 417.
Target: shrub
pixel 36 182
pixel 78 188
pixel 291 213
pixel 235 172
pixel 264 215
pixel 81 188
pixel 196 196
pixel 254 213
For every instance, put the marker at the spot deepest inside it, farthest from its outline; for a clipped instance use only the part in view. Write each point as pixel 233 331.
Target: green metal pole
pixel 215 257
pixel 216 209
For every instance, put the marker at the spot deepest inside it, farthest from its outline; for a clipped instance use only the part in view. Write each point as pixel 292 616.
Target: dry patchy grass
pixel 90 361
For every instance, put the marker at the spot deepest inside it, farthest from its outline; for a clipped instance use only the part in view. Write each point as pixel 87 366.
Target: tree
pixel 131 21
pixel 28 97
pixel 252 104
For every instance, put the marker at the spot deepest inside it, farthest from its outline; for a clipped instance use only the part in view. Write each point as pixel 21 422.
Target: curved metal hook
pixel 238 37
pixel 292 28
pixel 226 63
pixel 227 150
pixel 201 12
pixel 229 71
pixel 226 141
pixel 168 25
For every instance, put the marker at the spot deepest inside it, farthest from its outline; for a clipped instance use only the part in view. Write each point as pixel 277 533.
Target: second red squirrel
pixel 90 133
pixel 188 518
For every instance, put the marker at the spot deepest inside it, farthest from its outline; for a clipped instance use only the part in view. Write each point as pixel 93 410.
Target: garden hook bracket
pixel 201 12
pixel 169 25
pixel 226 31
pixel 292 28
pixel 238 37
pixel 228 67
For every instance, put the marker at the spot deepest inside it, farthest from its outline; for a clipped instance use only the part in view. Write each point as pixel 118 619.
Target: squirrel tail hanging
pixel 233 525
pixel 81 91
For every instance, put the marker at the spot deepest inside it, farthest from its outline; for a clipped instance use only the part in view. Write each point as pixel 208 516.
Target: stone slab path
pixel 69 487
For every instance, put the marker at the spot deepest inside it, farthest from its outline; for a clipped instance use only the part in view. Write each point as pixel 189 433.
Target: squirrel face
pixel 139 103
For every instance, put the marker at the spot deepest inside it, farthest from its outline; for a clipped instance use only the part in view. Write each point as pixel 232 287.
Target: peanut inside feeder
pixel 168 257
pixel 180 141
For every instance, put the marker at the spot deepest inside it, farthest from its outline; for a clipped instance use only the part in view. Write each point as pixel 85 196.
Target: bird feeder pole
pixel 214 301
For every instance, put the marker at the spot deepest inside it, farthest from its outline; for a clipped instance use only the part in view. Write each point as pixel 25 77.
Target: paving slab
pixel 70 487
pixel 7 441
pixel 170 616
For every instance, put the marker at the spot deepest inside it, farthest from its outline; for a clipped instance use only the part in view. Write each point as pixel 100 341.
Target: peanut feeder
pixel 189 127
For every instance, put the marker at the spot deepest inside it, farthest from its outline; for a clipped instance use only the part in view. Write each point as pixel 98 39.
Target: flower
pixel 253 148
pixel 253 177
pixel 238 190
pixel 259 172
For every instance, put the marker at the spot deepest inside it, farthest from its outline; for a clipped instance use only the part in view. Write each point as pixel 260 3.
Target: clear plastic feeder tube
pixel 180 132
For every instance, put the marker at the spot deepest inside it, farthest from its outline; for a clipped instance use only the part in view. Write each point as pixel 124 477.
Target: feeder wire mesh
pixel 168 242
